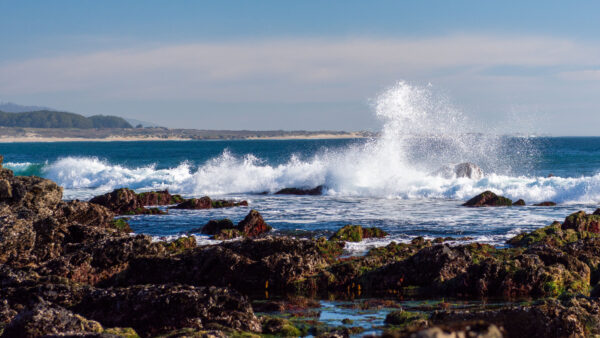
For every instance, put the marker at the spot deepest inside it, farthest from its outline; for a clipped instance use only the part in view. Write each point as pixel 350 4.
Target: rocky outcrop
pixel 253 225
pixel 318 190
pixel 545 204
pixel 207 203
pixel 125 201
pixel 488 199
pixel 580 221
pixel 356 233
pixel 519 203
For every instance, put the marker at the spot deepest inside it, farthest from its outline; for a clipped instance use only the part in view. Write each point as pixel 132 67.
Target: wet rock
pixel 488 199
pixel 461 170
pixel 519 203
pixel 580 221
pixel 356 233
pixel 47 319
pixel 207 203
pixel 253 266
pixel 226 234
pixel 253 225
pixel 279 327
pixel 477 329
pixel 125 201
pixel 318 190
pixel 545 204
pixel 552 235
pixel 214 227
pixel 151 309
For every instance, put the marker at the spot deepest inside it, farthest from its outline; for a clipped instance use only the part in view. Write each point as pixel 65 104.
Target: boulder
pixel 152 309
pixel 580 221
pixel 356 233
pixel 519 203
pixel 253 225
pixel 215 226
pixel 488 199
pixel 318 190
pixel 207 203
pixel 125 201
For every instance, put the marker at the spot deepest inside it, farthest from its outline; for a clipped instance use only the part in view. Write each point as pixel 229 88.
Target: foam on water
pixel 421 132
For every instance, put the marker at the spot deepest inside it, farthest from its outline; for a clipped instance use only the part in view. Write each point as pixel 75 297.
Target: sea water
pixel 389 181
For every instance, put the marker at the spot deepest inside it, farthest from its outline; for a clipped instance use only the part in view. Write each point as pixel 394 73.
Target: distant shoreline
pixel 47 139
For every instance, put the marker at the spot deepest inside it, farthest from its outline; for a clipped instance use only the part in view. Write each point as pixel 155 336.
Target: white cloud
pixel 283 70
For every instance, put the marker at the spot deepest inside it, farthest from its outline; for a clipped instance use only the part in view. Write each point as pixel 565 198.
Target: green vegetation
pixel 121 224
pixel 55 119
pixel 402 317
pixel 121 332
pixel 356 233
pixel 553 235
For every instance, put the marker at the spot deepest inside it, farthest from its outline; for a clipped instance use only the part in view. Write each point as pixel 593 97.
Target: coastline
pixel 41 139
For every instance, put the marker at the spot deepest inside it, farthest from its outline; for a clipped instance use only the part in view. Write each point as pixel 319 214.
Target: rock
pixel 47 319
pixel 318 190
pixel 545 204
pixel 215 226
pixel 580 221
pixel 402 317
pixel 356 233
pixel 461 170
pixel 279 327
pixel 226 234
pixel 469 329
pixel 206 203
pixel 519 203
pixel 488 199
pixel 152 309
pixel 126 202
pixel 253 225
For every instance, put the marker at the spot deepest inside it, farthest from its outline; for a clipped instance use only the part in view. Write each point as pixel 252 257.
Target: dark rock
pixel 580 221
pixel 519 203
pixel 151 309
pixel 478 329
pixel 253 225
pixel 488 199
pixel 318 190
pixel 356 233
pixel 48 319
pixel 126 202
pixel 207 203
pixel 545 204
pixel 215 226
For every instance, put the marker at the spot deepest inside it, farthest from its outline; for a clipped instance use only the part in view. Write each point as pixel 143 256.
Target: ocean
pixel 391 181
pixel 365 183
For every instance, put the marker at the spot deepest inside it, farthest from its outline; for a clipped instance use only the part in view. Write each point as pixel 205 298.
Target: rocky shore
pixel 72 268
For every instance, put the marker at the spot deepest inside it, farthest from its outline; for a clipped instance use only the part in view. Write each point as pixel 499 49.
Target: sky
pixel 510 66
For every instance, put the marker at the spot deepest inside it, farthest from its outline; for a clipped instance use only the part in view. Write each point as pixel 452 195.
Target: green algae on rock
pixel 488 199
pixel 356 233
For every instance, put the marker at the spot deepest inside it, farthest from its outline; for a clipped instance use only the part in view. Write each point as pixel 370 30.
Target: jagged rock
pixel 488 199
pixel 318 190
pixel 519 203
pixel 356 233
pixel 207 203
pixel 214 227
pixel 461 170
pixel 151 309
pixel 580 221
pixel 253 225
pixel 47 319
pixel 272 263
pixel 125 201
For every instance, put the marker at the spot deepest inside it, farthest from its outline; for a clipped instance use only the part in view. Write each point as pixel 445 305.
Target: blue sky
pixel 518 66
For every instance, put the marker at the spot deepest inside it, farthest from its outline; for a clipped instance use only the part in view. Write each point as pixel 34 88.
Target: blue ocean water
pixel 387 182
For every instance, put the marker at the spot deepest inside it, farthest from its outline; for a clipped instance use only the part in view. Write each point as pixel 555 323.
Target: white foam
pixel 421 133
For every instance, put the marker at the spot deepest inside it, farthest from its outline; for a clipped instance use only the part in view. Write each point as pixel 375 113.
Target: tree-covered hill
pixel 55 119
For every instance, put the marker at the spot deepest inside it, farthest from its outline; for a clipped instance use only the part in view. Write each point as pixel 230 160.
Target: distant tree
pixel 54 119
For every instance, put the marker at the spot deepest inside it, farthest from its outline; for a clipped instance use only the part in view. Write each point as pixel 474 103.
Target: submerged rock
pixel 318 190
pixel 356 233
pixel 488 199
pixel 207 203
pixel 545 204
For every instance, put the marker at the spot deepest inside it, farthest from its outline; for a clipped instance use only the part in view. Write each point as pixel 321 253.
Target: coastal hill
pixel 56 119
